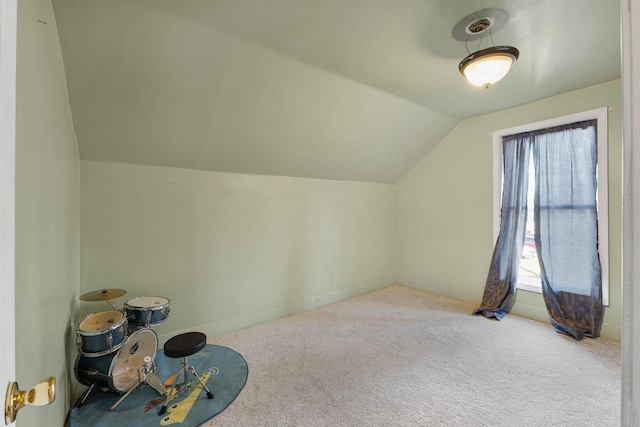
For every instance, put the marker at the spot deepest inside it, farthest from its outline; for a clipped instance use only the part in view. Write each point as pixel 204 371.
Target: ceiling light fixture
pixel 487 66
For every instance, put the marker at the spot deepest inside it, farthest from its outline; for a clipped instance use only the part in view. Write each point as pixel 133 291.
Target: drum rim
pixel 154 307
pixel 80 331
pixel 113 349
pixel 112 366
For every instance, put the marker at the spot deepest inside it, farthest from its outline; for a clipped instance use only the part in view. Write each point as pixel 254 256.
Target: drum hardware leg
pixel 125 396
pixel 186 386
pixel 170 394
pixel 85 395
pixel 209 394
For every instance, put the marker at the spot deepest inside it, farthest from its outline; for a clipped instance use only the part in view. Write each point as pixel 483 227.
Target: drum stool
pixel 185 345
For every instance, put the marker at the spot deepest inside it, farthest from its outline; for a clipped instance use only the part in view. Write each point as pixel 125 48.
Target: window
pixel 529 273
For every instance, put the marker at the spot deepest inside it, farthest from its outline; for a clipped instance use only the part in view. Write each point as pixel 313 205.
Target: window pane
pixel 529 271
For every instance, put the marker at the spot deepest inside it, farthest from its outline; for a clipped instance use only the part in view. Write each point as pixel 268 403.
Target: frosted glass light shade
pixel 487 66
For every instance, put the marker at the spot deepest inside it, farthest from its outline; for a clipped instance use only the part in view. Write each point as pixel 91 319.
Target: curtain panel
pixel 566 217
pixel 503 272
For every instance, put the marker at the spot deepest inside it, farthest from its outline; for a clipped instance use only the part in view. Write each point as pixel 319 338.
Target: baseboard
pixel 527 311
pixel 271 313
pixel 435 289
pixel 613 332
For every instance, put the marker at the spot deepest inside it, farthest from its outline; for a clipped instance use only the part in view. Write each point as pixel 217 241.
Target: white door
pixel 630 11
pixel 8 25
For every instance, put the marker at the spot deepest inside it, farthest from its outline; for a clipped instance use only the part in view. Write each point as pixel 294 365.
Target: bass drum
pixel 119 371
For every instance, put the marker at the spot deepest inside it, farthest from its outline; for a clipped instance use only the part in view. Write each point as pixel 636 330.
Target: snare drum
pixel 102 333
pixel 119 371
pixel 145 311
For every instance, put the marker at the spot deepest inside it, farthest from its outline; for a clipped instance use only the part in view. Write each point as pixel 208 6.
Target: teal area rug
pixel 224 371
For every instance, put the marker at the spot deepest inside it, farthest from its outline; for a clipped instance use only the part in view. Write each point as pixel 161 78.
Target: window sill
pixel 530 287
pixel 537 288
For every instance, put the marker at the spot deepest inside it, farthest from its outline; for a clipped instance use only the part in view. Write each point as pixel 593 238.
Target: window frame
pixel 599 114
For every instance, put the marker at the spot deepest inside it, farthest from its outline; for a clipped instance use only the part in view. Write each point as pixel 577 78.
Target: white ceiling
pixel 337 89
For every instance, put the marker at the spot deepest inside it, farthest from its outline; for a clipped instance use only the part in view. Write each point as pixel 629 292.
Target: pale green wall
pixel 47 215
pixel 230 250
pixel 445 211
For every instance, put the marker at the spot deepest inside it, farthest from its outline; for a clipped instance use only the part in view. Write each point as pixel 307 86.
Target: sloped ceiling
pixel 336 89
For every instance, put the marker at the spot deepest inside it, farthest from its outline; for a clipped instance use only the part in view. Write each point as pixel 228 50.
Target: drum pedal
pixel 154 381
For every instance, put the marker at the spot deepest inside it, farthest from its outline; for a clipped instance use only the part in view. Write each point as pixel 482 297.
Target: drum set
pixel 117 348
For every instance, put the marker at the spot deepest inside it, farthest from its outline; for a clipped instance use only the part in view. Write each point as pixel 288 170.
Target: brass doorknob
pixel 40 394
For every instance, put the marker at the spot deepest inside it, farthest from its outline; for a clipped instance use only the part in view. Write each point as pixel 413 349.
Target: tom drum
pixel 146 311
pixel 101 333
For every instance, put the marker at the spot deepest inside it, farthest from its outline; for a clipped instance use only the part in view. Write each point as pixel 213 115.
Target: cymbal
pixel 103 295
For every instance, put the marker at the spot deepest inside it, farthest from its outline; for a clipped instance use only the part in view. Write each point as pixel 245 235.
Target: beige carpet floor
pixel 403 357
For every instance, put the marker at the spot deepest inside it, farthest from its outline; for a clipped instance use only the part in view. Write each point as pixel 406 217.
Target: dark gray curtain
pixel 503 272
pixel 566 234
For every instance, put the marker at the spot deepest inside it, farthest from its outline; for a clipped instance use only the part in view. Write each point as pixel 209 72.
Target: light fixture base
pixel 471 26
pixel 480 25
